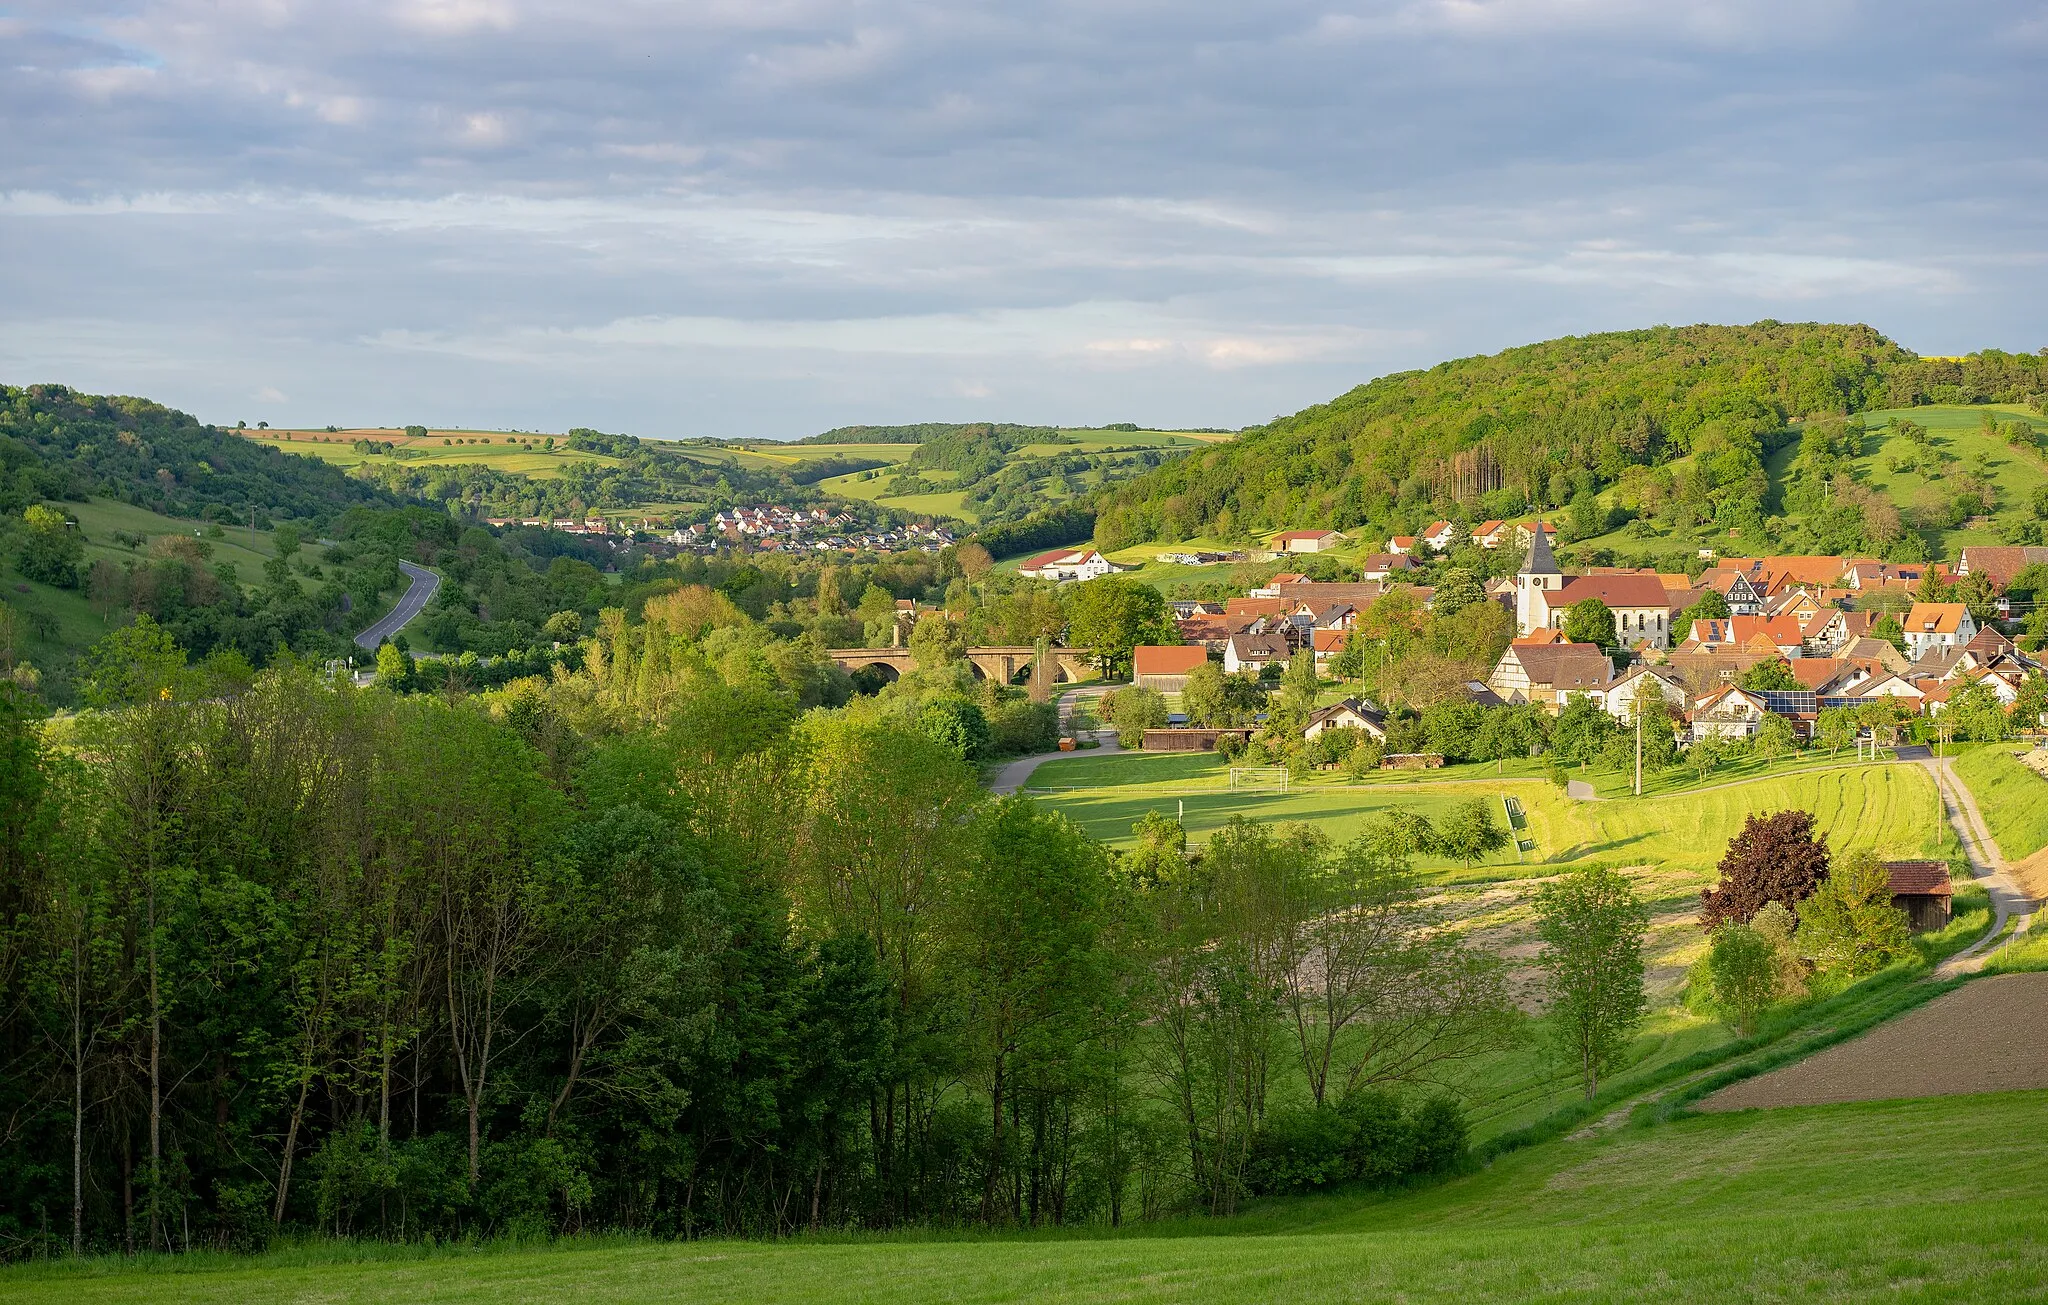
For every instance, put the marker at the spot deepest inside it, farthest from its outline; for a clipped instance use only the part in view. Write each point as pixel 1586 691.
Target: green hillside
pixel 1891 1200
pixel 56 443
pixel 1694 418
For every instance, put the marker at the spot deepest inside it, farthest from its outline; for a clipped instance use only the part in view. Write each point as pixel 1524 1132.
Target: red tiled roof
pixel 1166 659
pixel 1920 878
pixel 1614 590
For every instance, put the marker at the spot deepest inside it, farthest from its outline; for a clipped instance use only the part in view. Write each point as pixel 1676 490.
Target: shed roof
pixel 1919 878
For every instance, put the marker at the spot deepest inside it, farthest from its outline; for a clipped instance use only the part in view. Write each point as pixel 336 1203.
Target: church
pixel 1544 594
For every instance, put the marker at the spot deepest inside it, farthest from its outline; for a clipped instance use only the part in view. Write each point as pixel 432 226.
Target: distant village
pixel 766 528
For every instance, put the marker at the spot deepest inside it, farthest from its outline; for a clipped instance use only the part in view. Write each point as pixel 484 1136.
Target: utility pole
pixel 1639 744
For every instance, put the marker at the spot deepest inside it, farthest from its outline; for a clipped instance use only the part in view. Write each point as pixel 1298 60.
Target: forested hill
pixel 925 432
pixel 1540 425
pixel 56 443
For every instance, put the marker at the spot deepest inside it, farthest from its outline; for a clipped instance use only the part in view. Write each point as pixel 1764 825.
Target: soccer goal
pixel 1259 778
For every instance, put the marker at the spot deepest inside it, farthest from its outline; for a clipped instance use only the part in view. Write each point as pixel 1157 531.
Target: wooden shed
pixel 1921 889
pixel 1189 740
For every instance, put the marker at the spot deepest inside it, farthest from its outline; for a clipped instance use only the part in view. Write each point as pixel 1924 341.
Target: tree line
pixel 281 954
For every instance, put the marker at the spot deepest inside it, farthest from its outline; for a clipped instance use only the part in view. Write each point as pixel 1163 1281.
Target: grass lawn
pixel 1919 1201
pixel 1890 809
pixel 2014 799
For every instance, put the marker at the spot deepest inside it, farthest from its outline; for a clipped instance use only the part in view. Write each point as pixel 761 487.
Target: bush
pixel 1367 1137
pixel 1024 727
pixel 957 723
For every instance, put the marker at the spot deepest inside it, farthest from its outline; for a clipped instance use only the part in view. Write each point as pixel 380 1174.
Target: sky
pixel 765 218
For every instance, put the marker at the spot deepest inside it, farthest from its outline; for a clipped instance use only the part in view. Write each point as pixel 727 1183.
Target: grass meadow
pixel 1915 1201
pixel 2013 798
pixel 501 454
pixel 1890 809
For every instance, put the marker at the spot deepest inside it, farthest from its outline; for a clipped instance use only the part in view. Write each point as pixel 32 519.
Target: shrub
pixel 1367 1137
pixel 1744 970
pixel 1024 727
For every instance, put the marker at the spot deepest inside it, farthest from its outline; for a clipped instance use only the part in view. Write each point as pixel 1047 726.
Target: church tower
pixel 1538 575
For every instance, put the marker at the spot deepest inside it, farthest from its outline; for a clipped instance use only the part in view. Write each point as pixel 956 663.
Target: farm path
pixel 1981 850
pixel 1013 775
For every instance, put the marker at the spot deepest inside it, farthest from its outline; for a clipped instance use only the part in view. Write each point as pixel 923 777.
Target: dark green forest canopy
pixel 1546 422
pixel 56 443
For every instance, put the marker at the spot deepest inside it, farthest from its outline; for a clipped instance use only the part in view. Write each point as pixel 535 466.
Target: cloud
pixel 771 216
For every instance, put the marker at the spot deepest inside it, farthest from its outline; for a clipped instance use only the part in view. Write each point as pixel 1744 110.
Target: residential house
pixel 1382 566
pixel 2001 563
pixel 1938 625
pixel 1837 630
pixel 1306 541
pixel 1253 652
pixel 1491 534
pixel 1211 632
pixel 1736 586
pixel 1328 643
pixel 1064 564
pixel 1781 632
pixel 1165 667
pixel 1549 673
pixel 1401 545
pixel 1729 712
pixel 1438 535
pixel 1350 714
pixel 1646 682
pixel 1889 685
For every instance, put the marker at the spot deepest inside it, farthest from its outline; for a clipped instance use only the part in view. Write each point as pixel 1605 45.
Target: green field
pixel 54 625
pixel 2014 799
pixel 500 455
pixel 1889 809
pixel 1920 1201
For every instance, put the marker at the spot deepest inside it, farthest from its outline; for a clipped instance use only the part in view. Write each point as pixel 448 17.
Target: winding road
pixel 410 604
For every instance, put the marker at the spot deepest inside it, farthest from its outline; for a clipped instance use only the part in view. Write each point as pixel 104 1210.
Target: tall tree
pixel 1592 925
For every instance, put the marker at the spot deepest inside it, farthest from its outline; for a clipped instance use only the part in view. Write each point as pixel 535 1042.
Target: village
pixel 1743 640
pixel 764 528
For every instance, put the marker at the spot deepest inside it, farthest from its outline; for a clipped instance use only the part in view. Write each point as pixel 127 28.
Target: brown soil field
pixel 1987 1036
pixel 2031 874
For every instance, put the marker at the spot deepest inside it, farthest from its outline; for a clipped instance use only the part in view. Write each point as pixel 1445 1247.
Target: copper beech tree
pixel 1776 858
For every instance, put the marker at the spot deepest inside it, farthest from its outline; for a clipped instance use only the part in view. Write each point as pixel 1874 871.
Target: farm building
pixel 1190 740
pixel 1165 667
pixel 1921 889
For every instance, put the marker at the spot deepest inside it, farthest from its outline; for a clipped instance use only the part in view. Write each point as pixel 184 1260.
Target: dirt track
pixel 1988 1036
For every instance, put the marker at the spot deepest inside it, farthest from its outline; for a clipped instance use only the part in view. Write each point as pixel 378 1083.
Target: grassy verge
pixel 2013 798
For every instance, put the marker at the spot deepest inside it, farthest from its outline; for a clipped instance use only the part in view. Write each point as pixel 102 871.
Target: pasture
pixel 1888 1200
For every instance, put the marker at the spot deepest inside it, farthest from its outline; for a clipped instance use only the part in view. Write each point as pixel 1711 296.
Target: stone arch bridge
pixel 1003 665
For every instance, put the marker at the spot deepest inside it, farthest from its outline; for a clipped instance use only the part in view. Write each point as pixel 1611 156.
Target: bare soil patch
pixel 2031 873
pixel 1987 1036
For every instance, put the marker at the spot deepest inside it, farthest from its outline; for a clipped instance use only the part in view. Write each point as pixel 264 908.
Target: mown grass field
pixel 504 453
pixel 1890 809
pixel 1918 1201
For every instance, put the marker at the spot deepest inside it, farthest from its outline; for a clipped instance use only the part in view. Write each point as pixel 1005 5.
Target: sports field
pixel 1894 1201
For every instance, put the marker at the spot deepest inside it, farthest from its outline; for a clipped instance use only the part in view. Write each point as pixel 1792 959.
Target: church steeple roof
pixel 1540 560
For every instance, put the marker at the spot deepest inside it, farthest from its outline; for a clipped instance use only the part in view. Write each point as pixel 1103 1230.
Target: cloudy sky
pixel 768 217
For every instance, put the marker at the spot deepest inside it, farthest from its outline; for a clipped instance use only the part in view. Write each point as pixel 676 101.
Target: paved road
pixel 414 601
pixel 1985 863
